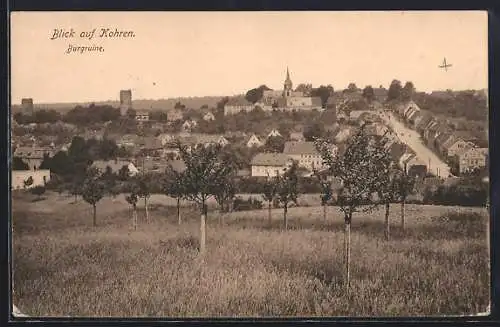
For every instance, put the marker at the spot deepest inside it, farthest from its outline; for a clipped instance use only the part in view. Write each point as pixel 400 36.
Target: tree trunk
pixel 387 226
pixel 324 213
pixel 95 215
pixel 347 246
pixel 403 214
pixel 285 220
pixel 134 217
pixel 269 213
pixel 221 210
pixel 202 233
pixel 179 210
pixel 146 207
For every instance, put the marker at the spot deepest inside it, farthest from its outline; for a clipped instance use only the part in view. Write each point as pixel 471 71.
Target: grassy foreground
pixel 64 267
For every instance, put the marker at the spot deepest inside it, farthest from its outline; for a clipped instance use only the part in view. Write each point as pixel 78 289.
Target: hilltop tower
pixel 125 101
pixel 288 85
pixel 27 106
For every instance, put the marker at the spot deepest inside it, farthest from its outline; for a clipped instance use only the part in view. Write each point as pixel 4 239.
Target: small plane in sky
pixel 445 65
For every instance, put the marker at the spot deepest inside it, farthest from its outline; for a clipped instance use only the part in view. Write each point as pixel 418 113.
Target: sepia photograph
pixel 265 164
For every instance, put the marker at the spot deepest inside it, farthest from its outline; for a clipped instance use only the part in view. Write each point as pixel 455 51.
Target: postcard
pixel 249 164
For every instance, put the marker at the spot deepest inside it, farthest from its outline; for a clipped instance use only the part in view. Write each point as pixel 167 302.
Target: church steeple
pixel 288 85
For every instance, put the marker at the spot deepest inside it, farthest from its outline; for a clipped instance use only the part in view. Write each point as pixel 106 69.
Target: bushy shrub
pixel 309 185
pixel 255 185
pixel 243 205
pixel 463 195
pixel 38 190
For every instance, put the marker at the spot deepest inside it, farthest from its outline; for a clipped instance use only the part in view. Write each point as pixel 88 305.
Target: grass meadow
pixel 62 266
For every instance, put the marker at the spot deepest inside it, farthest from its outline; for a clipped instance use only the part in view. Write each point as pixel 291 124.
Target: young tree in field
pixel 224 192
pixel 110 181
pixel 287 190
pixel 144 187
pixel 405 185
pixel 358 170
pixel 205 168
pixel 173 186
pixel 123 173
pixel 225 189
pixel 132 199
pixel 385 185
pixel 75 189
pixel 93 190
pixel 269 195
pixel 388 193
pixel 326 191
pixel 77 180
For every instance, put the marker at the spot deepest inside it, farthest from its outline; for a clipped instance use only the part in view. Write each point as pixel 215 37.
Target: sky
pixel 179 54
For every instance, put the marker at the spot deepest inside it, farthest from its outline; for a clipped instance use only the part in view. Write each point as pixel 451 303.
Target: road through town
pixel 412 139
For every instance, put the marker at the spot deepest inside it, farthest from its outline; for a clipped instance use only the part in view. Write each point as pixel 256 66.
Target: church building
pixel 288 99
pixel 284 100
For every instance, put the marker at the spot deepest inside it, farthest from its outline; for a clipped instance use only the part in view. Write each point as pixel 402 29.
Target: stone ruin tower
pixel 125 101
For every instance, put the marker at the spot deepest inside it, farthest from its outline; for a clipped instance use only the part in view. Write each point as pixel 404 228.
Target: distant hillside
pixel 160 104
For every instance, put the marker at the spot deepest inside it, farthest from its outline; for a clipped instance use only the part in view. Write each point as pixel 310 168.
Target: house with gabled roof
pixel 400 109
pixel 424 131
pixel 269 164
pixel 165 138
pixel 297 136
pixel 150 146
pixel 209 116
pixel 33 156
pixel 306 154
pixel 407 108
pixel 416 167
pixel 274 133
pixel 153 164
pixel 174 115
pixel 189 125
pixel 457 142
pixel 142 115
pixel 413 165
pixel 430 132
pixel 413 117
pixel 441 139
pixel 473 158
pixel 127 140
pixel 202 139
pixel 420 119
pixel 237 104
pixel 442 129
pixel 254 141
pixel 458 146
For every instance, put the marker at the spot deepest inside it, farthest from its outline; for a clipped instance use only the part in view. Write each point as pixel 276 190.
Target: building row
pixel 459 147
